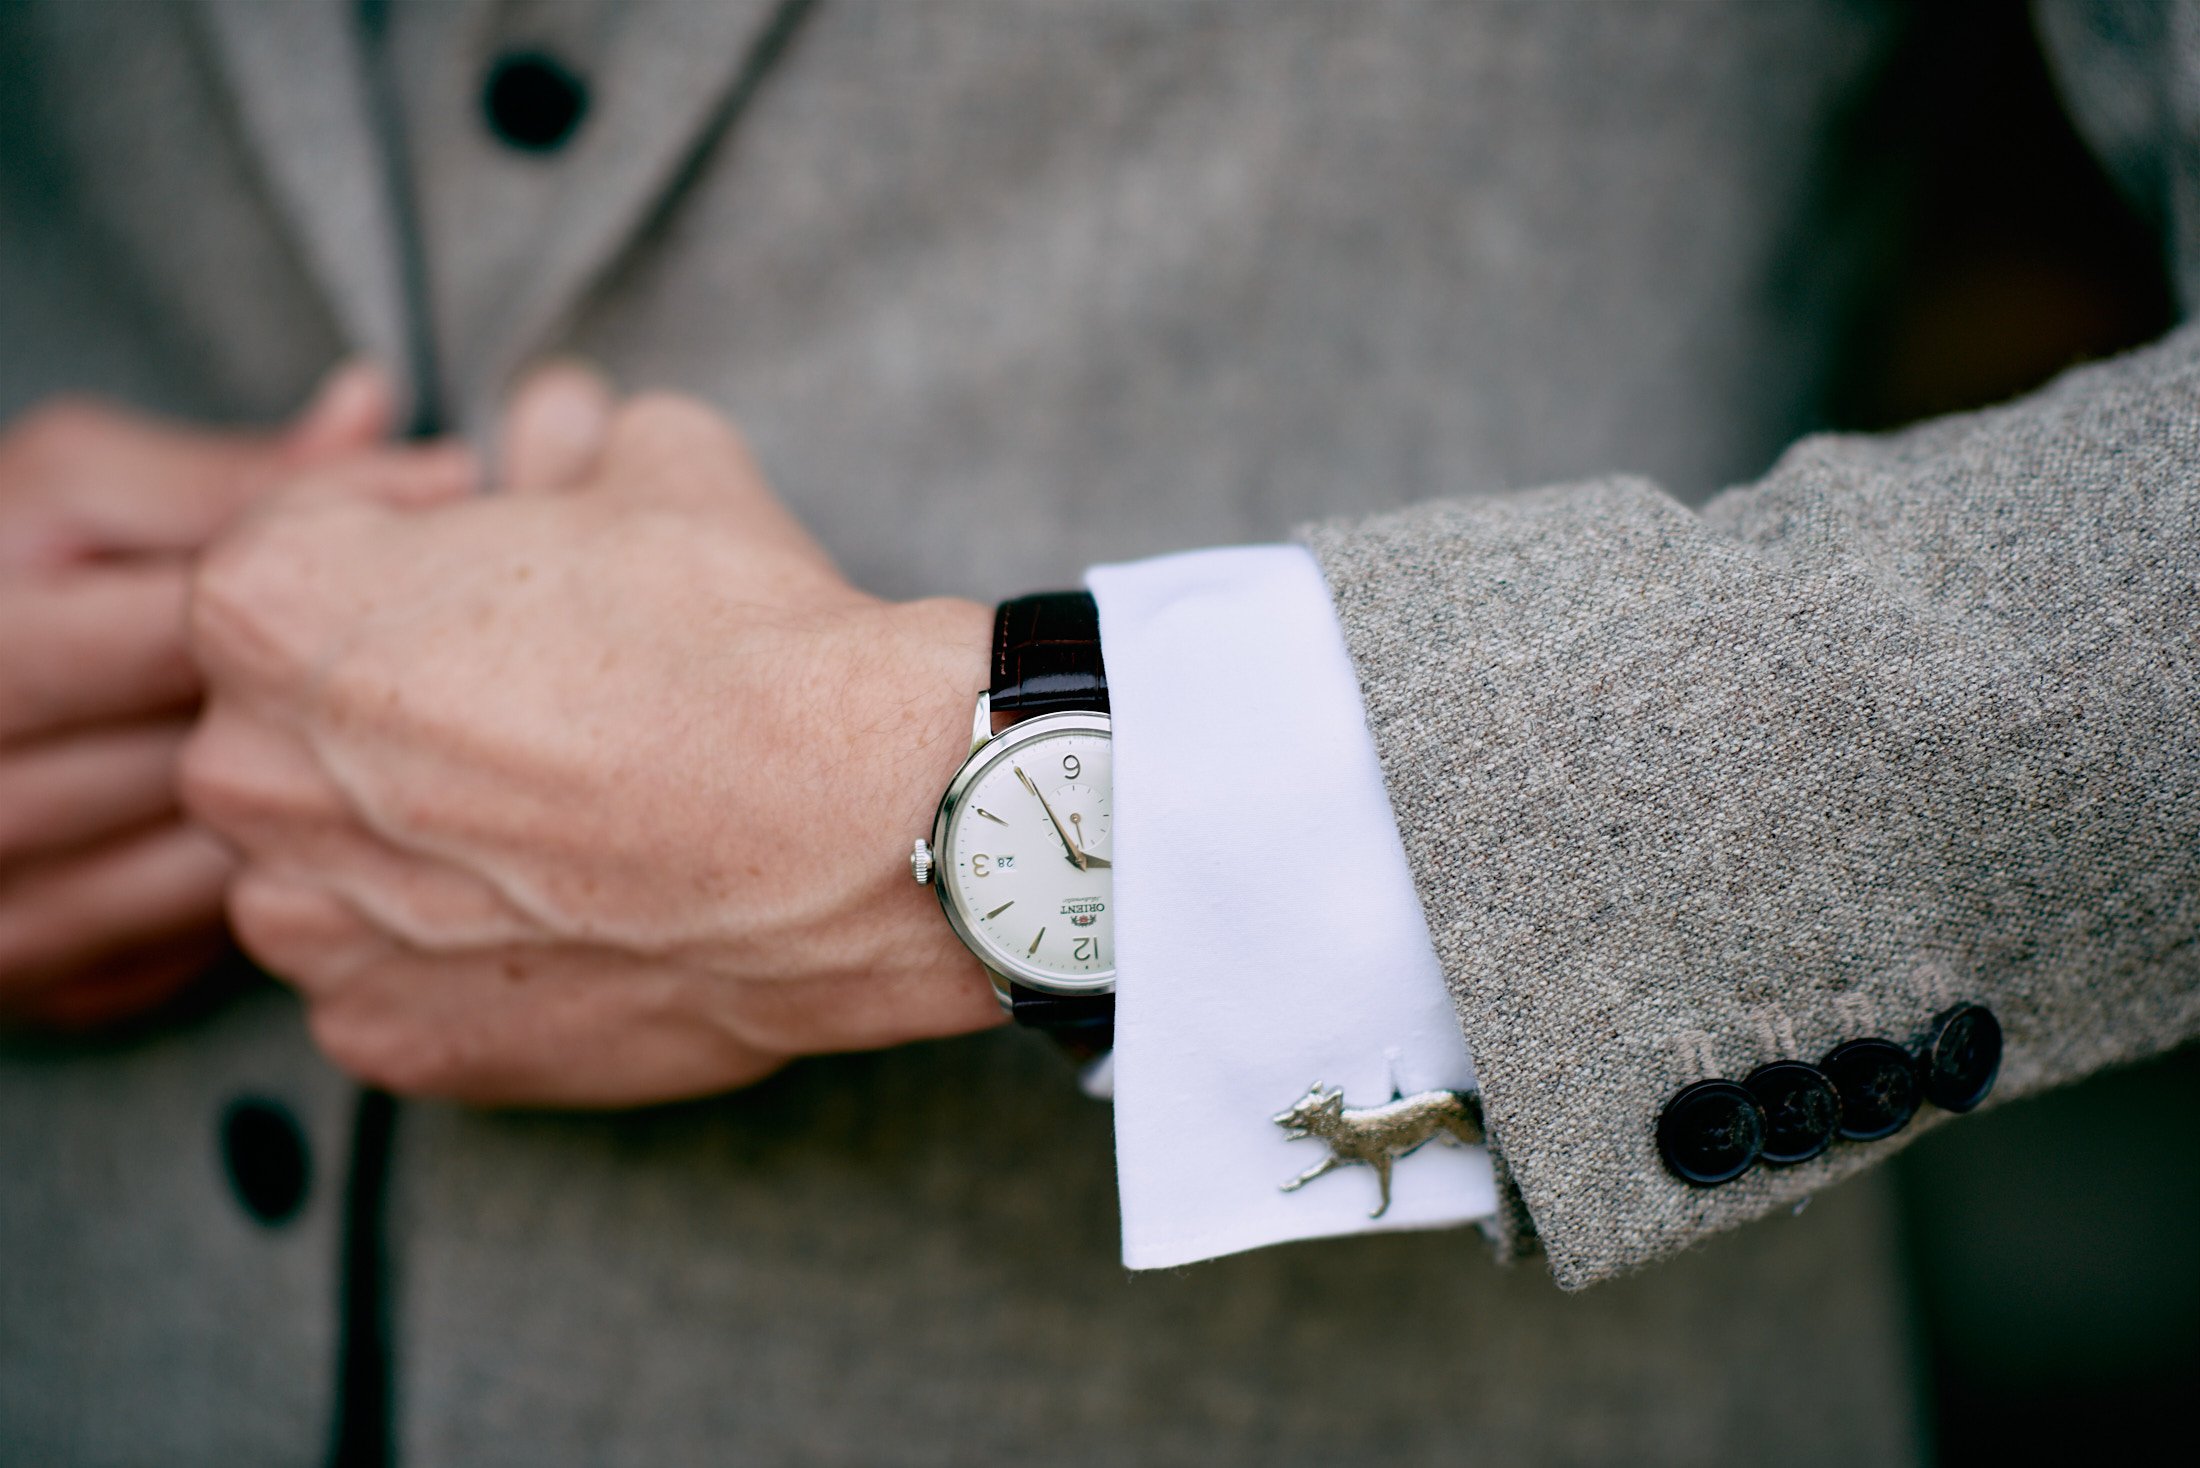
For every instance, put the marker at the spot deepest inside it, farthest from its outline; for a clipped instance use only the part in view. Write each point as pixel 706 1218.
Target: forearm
pixel 1908 723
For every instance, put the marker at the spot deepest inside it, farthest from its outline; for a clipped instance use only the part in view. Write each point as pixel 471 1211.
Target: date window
pixel 1005 863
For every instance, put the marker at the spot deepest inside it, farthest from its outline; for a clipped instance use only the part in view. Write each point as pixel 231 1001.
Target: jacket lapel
pixel 519 240
pixel 294 73
pixel 665 81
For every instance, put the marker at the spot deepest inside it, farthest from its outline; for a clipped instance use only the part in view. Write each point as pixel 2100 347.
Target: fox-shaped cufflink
pixel 1378 1135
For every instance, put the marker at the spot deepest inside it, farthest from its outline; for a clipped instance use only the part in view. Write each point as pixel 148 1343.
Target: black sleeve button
pixel 1962 1058
pixel 1711 1133
pixel 1802 1110
pixel 533 102
pixel 1877 1082
pixel 264 1153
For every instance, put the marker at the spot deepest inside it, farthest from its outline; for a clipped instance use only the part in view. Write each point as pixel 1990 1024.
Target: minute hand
pixel 1077 855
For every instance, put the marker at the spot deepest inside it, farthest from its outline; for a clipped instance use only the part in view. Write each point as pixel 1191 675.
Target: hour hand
pixel 1077 857
pixel 1091 861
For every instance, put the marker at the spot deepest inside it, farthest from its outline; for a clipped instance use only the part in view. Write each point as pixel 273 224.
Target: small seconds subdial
pixel 1085 810
pixel 1030 859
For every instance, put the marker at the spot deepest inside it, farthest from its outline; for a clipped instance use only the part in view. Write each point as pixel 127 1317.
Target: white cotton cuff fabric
pixel 1267 933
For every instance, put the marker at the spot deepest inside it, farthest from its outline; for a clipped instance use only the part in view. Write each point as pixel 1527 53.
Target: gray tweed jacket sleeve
pixel 1914 720
pixel 1911 722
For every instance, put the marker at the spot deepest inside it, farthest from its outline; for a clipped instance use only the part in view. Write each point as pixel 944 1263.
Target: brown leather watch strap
pixel 1046 660
pixel 1082 1024
pixel 1046 655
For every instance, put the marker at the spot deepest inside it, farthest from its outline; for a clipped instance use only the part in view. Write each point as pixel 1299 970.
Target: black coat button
pixel 265 1156
pixel 533 101
pixel 1802 1110
pixel 1878 1085
pixel 1962 1058
pixel 1711 1133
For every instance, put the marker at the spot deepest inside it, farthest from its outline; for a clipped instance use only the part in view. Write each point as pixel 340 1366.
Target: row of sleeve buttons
pixel 1788 1111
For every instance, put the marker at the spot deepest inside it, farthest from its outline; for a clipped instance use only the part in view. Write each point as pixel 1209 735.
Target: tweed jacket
pixel 1688 780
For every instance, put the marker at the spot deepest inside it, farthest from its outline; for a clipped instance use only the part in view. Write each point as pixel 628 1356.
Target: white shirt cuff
pixel 1267 932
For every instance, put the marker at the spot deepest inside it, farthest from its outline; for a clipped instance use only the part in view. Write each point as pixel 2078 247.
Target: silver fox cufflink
pixel 1378 1135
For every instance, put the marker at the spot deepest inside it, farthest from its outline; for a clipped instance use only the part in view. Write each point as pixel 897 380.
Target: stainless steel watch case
pixel 928 865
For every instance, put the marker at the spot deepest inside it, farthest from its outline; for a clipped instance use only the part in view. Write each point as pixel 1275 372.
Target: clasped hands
pixel 593 790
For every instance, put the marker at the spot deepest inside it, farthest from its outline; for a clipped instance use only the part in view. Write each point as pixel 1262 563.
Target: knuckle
pixel 660 411
pixel 253 783
pixel 667 421
pixel 226 600
pixel 282 925
pixel 260 929
pixel 257 596
pixel 359 1048
pixel 447 913
pixel 212 785
pixel 381 1050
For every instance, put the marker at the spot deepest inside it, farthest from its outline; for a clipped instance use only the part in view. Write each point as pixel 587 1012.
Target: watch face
pixel 1026 855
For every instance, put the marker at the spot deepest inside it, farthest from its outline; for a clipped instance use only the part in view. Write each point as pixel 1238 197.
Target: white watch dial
pixel 1029 858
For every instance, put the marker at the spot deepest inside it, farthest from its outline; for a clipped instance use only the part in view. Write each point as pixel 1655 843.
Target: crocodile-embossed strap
pixel 1046 660
pixel 1046 655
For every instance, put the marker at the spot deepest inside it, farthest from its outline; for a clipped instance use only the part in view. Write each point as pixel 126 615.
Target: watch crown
pixel 920 862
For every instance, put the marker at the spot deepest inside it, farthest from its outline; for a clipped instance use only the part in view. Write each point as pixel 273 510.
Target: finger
pixel 556 428
pixel 667 449
pixel 122 987
pixel 122 895
pixel 93 644
pixel 412 476
pixel 672 449
pixel 262 789
pixel 64 793
pixel 354 408
pixel 289 583
pixel 84 479
pixel 503 1028
pixel 94 480
pixel 300 931
pixel 254 782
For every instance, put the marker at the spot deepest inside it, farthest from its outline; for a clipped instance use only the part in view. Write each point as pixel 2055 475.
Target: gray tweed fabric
pixel 1909 722
pixel 1001 290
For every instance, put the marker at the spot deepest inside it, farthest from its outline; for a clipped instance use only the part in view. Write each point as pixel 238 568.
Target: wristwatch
pixel 1019 852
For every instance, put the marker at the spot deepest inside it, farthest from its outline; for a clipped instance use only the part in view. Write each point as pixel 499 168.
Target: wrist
pixel 937 667
pixel 947 654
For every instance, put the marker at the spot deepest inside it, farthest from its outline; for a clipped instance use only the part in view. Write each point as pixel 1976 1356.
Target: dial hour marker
pixel 1004 907
pixel 982 811
pixel 1034 948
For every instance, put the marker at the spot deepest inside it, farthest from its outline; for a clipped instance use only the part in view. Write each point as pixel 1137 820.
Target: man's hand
pixel 596 792
pixel 109 901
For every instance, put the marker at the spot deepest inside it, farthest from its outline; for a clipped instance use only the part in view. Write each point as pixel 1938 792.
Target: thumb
pixel 675 451
pixel 555 429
